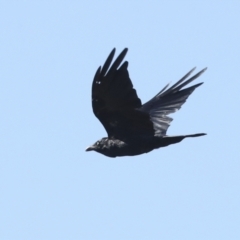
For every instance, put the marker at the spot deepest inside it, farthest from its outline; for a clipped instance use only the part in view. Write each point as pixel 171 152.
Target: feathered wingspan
pixel 169 100
pixel 116 104
pixel 114 100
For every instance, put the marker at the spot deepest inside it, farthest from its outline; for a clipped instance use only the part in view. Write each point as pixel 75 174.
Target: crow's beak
pixel 90 148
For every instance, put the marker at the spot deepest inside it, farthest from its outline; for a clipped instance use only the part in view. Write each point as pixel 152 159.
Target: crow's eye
pixel 98 143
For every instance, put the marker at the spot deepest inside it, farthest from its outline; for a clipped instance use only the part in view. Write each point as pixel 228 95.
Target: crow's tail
pixel 167 140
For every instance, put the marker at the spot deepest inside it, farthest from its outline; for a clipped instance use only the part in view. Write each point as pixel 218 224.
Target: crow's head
pixel 107 147
pixel 102 146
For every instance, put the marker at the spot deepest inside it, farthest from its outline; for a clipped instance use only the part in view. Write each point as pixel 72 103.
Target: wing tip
pixel 202 71
pixel 97 74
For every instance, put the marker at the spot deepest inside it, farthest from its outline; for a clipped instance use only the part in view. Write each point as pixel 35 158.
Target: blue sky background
pixel 51 188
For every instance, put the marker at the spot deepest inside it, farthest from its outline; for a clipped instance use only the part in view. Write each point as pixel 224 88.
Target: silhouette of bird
pixel 134 128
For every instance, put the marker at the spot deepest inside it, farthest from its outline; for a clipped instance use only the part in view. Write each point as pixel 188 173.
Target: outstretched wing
pixel 169 100
pixel 114 100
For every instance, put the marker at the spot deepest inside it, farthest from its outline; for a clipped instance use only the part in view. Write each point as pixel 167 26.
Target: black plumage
pixel 134 128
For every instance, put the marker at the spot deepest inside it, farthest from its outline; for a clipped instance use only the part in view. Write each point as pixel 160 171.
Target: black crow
pixel 134 128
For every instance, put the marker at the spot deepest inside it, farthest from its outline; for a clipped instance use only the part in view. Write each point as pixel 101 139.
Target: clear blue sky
pixel 51 188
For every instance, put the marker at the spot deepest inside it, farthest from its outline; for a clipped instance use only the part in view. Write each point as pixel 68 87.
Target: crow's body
pixel 134 128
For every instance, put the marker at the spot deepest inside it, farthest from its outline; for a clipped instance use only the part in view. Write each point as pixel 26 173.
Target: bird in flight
pixel 134 128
